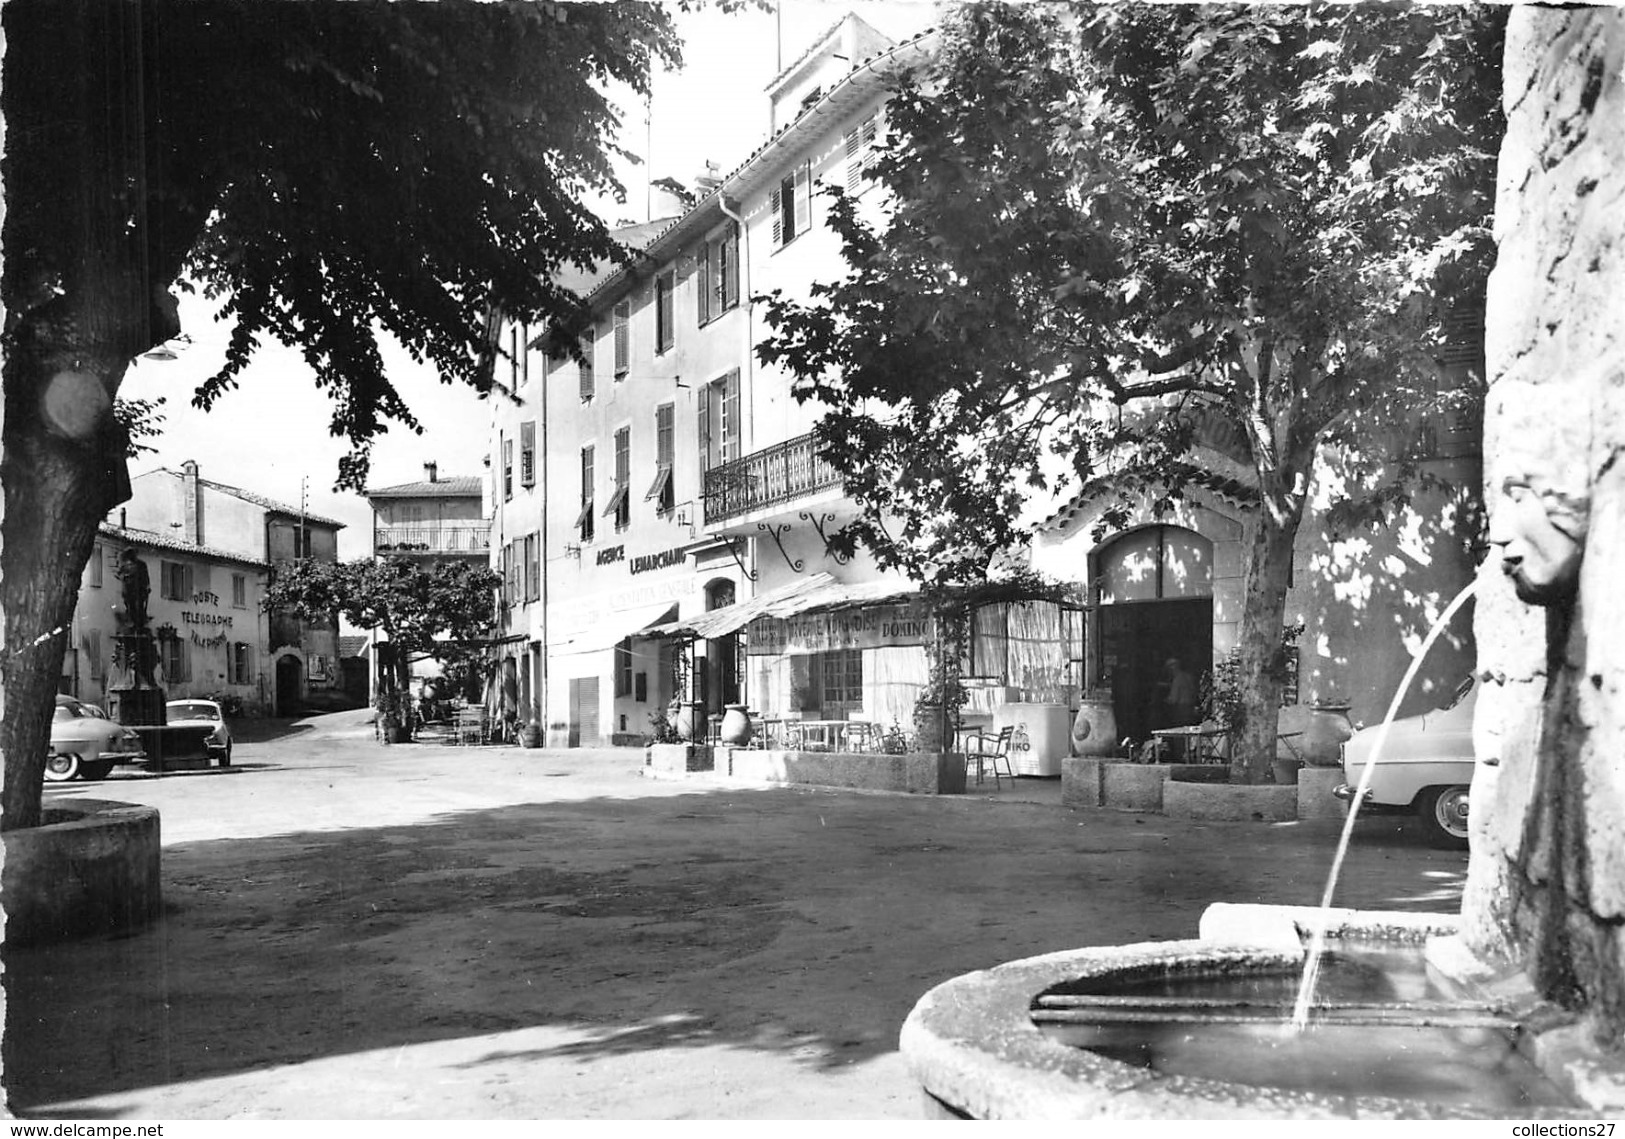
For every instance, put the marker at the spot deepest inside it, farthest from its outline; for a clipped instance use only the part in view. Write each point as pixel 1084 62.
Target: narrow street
pixel 353 931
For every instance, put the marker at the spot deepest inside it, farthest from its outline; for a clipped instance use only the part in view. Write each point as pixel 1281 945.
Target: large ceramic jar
pixel 1328 727
pixel 683 718
pixel 1094 731
pixel 736 726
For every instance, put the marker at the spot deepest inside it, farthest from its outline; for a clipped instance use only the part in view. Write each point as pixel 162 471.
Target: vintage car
pixel 1426 766
pixel 203 712
pixel 85 744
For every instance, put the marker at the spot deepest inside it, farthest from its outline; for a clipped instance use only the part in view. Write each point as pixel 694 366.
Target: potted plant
pixel 531 734
pixel 943 695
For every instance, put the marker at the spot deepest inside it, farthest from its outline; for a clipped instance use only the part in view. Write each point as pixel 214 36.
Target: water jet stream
pixel 1317 939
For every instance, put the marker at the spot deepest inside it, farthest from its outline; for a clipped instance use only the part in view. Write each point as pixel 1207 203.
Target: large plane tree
pixel 1098 219
pixel 329 171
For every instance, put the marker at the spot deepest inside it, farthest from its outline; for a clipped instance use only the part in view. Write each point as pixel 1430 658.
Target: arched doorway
pixel 1153 596
pixel 289 685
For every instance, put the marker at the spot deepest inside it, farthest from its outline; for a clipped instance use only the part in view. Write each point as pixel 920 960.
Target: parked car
pixel 1426 766
pixel 218 741
pixel 85 744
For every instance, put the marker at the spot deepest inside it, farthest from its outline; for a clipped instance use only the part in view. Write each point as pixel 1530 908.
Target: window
pixel 618 504
pixel 507 469
pixel 719 273
pixel 301 542
pixel 584 519
pixel 94 567
pixel 661 492
pixel 240 663
pixel 791 205
pixel 586 371
pixel 860 152
pixel 533 567
pixel 175 581
pixel 623 667
pixel 174 661
pixel 842 676
pixel 719 420
pixel 527 453
pixel 665 286
pixel 623 339
pixel 239 591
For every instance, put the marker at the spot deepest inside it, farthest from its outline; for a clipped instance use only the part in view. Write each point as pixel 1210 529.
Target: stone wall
pixel 1546 884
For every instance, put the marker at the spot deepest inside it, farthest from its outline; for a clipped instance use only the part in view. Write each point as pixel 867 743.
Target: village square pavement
pixel 419 931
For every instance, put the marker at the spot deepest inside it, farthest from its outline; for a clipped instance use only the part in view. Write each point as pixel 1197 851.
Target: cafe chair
pixel 988 750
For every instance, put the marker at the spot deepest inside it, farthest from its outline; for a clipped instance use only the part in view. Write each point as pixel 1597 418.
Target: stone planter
pixel 93 868
pixel 1094 731
pixel 736 726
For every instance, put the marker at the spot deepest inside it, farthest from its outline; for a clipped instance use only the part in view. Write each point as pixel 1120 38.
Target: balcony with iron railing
pixel 770 477
pixel 434 539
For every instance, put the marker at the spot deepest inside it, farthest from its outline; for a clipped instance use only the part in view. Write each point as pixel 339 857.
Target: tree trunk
pixel 57 488
pixel 1263 615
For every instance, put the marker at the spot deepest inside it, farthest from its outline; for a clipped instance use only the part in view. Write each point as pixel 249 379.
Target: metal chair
pixel 989 748
pixel 470 726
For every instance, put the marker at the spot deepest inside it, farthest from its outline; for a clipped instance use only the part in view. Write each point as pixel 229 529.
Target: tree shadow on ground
pixel 777 920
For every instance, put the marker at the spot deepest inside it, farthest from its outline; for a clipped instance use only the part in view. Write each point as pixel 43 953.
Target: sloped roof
pixel 270 504
pixel 352 645
pixel 457 486
pixel 165 542
pixel 583 281
pixel 1089 495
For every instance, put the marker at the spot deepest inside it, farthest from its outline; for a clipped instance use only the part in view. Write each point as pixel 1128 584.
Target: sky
pixel 271 435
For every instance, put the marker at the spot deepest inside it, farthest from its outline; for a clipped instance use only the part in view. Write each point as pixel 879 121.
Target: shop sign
pixel 191 618
pixel 611 554
pixel 877 626
pixel 643 563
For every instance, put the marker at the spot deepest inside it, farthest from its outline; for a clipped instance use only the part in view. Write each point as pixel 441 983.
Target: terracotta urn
pixel 684 716
pixel 1328 727
pixel 736 726
pixel 1094 731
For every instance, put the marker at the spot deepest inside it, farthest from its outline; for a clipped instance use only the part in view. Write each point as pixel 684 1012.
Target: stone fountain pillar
pixel 135 699
pixel 1546 883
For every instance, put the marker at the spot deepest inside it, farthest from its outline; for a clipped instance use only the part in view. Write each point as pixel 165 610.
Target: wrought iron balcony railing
pixel 433 538
pixel 780 473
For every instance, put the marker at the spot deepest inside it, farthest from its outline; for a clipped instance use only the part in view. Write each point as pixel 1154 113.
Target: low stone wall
pixel 1195 791
pixel 917 773
pixel 92 868
pixel 671 759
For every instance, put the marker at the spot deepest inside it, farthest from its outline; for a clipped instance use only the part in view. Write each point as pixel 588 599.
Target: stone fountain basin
pixel 972 1044
pixel 93 867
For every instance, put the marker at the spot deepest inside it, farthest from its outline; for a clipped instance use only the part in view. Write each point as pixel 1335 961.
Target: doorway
pixel 1153 593
pixel 289 675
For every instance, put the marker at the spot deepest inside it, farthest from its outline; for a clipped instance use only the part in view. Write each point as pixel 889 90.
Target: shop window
pixel 585 517
pixel 841 677
pixel 623 667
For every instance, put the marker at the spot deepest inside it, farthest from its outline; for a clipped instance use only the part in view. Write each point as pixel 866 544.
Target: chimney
pixel 191 504
pixel 431 471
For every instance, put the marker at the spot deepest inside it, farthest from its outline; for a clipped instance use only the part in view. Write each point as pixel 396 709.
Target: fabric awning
pixel 814 593
pixel 616 627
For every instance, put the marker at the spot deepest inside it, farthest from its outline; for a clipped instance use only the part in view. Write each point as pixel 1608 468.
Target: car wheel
pixel 97 769
pixel 1444 816
pixel 61 766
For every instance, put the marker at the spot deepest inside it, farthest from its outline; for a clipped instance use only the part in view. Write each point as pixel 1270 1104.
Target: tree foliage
pixel 444 610
pixel 329 172
pixel 1101 220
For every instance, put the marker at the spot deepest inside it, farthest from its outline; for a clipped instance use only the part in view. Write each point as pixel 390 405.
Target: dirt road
pixel 423 932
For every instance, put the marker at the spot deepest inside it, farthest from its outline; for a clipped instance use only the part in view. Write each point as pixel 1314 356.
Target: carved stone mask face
pixel 1541 533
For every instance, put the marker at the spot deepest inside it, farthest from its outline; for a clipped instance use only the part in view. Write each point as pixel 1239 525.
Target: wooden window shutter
pixel 623 341
pixel 776 204
pixel 702 290
pixel 730 417
pixel 586 368
pixel 702 417
pixel 854 167
pixel 804 198
pixel 730 266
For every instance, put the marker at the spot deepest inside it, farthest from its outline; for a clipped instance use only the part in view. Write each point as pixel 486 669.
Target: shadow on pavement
pixel 759 919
